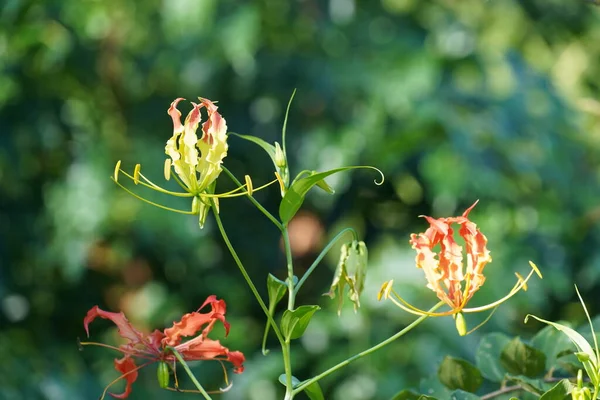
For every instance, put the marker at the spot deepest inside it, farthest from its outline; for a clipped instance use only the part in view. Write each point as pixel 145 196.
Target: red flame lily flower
pixel 154 347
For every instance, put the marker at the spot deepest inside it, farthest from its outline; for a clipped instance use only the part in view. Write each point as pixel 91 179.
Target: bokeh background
pixel 453 100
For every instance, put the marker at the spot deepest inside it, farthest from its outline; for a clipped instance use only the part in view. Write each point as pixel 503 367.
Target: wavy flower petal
pixel 191 323
pixel 126 366
pixel 444 270
pixel 157 346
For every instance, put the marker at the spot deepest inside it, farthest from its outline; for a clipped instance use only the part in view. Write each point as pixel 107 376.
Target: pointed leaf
pixel 276 289
pixel 487 356
pixel 553 344
pixel 325 186
pixel 558 391
pixel 294 197
pixel 294 323
pixel 295 381
pixel 314 392
pixel 455 373
pixel 579 341
pixel 267 147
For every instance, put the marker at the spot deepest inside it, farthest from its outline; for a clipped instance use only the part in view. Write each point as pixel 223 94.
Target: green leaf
pixel 294 197
pixel 433 387
pixel 267 147
pixel 276 289
pixel 553 344
pixel 462 395
pixel 558 391
pixel 455 373
pixel 521 359
pixel 534 386
pixel 325 186
pixel 295 381
pixel 294 323
pixel 410 395
pixel 487 356
pixel 314 392
pixel 582 345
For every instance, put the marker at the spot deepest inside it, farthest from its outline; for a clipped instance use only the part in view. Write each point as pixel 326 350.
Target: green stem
pixel 255 202
pixel 290 267
pixel 287 358
pixel 189 372
pixel 322 255
pixel 245 273
pixel 378 346
pixel 287 365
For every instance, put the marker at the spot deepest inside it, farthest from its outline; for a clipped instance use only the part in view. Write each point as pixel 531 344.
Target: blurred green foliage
pixel 453 100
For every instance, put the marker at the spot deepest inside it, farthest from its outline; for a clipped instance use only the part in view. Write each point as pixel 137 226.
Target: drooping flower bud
pixel 162 374
pixel 351 270
pixel 461 324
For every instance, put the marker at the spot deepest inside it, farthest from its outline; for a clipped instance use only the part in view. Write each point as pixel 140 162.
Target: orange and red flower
pixel 444 271
pixel 156 346
pixel 442 260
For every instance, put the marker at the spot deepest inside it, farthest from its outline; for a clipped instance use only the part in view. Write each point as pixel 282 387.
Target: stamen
pixel 116 173
pixel 535 268
pixel 167 169
pixel 384 292
pixel 136 174
pixel 248 184
pixel 520 279
pixel 281 184
pixel 151 202
pixel 518 286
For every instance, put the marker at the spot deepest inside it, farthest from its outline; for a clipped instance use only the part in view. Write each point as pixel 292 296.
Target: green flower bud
pixel 351 271
pixel 162 374
pixel 280 161
pixel 461 324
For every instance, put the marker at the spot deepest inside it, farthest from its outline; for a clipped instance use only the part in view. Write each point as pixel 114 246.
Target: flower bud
pixel 351 271
pixel 461 324
pixel 280 161
pixel 162 374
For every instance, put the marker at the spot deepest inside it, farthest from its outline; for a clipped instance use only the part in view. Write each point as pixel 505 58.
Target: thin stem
pixel 245 273
pixel 287 365
pixel 255 202
pixel 287 357
pixel 189 372
pixel 378 346
pixel 290 267
pixel 322 255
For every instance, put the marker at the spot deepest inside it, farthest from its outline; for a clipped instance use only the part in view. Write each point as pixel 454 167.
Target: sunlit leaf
pixel 294 197
pixel 558 391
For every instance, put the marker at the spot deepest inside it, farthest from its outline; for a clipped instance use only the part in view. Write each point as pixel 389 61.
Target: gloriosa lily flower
pixel 197 162
pixel 156 346
pixel 445 271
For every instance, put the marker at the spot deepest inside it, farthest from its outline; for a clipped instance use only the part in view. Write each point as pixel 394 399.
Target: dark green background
pixel 453 100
